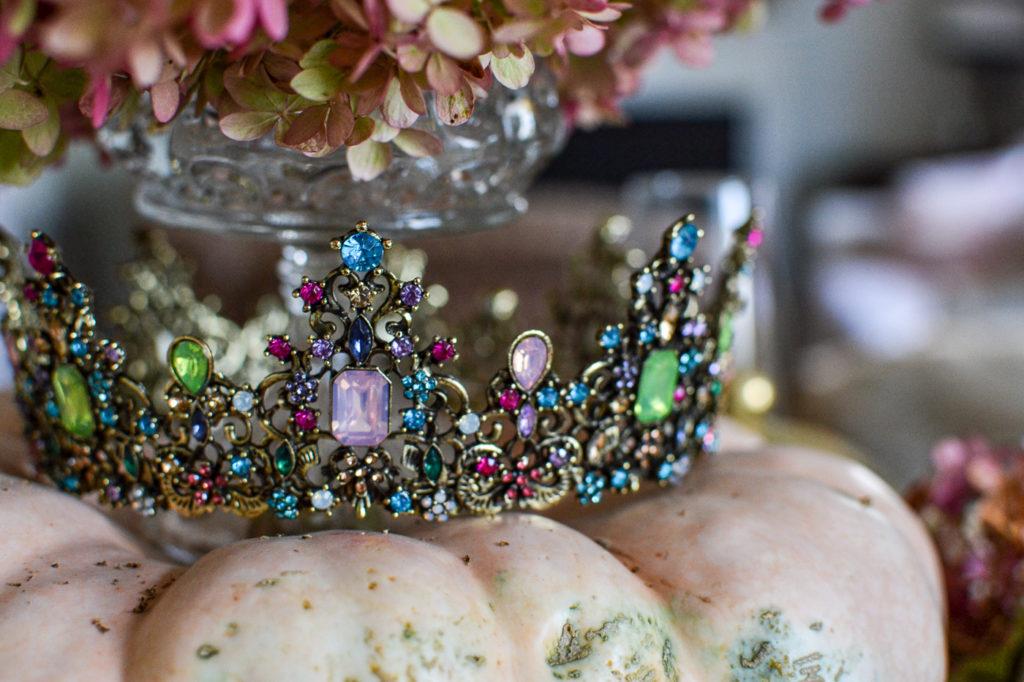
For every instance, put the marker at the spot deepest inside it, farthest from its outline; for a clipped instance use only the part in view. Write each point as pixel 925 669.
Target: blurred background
pixel 888 154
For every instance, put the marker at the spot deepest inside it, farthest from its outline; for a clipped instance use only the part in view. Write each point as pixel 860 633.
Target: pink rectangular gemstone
pixel 361 407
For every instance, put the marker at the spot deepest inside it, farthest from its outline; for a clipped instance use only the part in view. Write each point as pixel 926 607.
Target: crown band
pixel 365 412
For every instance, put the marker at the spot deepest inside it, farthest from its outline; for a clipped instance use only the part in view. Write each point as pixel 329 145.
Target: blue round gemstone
pixel 701 430
pixel 400 502
pixel 547 396
pixel 241 466
pixel 362 252
pixel 611 337
pixel 49 298
pixel 52 411
pixel 683 244
pixel 647 334
pixel 664 471
pixel 78 297
pixel 108 416
pixel 414 419
pixel 148 425
pixel 578 392
pixel 70 484
pixel 619 479
pixel 78 347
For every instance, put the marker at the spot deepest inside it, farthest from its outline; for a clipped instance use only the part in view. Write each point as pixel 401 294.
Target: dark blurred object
pixel 985 37
pixel 610 155
pixel 913 326
pixel 973 508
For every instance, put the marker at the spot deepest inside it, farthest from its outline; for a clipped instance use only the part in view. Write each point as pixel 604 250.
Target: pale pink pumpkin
pixel 767 563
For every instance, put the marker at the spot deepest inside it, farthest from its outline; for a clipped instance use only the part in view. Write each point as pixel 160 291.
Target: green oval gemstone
pixel 284 460
pixel 73 403
pixel 190 364
pixel 657 385
pixel 432 464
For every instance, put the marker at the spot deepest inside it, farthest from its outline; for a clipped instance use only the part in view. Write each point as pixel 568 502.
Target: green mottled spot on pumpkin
pixel 432 464
pixel 190 364
pixel 658 382
pixel 73 403
pixel 771 649
pixel 207 651
pixel 627 646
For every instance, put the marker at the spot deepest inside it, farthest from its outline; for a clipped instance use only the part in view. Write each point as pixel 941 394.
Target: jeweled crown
pixel 363 411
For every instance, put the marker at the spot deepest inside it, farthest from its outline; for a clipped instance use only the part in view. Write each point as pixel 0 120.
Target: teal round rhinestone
pixel 361 251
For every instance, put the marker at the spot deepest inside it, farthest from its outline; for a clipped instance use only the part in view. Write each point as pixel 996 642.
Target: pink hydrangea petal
pixel 100 101
pixel 273 17
pixel 455 33
pixel 585 42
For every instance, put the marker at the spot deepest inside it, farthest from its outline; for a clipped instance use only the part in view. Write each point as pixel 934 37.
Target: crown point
pixel 530 359
pixel 40 257
pixel 362 251
pixel 191 364
pixel 684 241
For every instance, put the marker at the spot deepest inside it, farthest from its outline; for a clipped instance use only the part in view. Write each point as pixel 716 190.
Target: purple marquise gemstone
pixel 529 361
pixel 527 420
pixel 361 407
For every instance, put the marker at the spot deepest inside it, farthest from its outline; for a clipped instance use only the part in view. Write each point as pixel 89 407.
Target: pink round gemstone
pixel 527 492
pixel 443 351
pixel 679 394
pixel 509 399
pixel 30 292
pixel 39 257
pixel 305 420
pixel 201 497
pixel 487 466
pixel 279 347
pixel 676 285
pixel 512 493
pixel 193 479
pixel 521 480
pixel 311 292
pixel 507 477
pixel 217 499
pixel 535 474
pixel 755 238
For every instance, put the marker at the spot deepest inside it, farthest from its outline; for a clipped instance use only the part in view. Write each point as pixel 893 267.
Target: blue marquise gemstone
pixel 684 242
pixel 199 426
pixel 361 251
pixel 360 340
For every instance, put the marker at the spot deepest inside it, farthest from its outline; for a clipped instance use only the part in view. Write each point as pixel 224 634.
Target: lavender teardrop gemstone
pixel 527 420
pixel 529 361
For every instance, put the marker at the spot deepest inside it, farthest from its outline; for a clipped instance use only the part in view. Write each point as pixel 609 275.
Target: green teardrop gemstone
pixel 190 364
pixel 432 464
pixel 657 385
pixel 73 403
pixel 131 464
pixel 284 460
